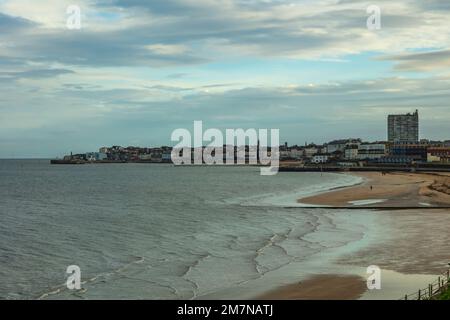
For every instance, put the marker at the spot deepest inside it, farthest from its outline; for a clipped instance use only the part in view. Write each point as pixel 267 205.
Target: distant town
pixel 403 147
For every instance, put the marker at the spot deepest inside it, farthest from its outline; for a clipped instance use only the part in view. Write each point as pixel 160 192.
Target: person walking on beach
pixel 371 188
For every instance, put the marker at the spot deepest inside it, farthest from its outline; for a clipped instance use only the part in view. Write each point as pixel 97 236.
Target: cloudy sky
pixel 136 70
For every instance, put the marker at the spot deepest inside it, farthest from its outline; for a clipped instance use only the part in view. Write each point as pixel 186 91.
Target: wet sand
pixel 322 287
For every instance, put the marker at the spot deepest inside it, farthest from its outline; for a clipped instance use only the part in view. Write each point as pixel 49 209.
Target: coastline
pixel 388 190
pixel 408 255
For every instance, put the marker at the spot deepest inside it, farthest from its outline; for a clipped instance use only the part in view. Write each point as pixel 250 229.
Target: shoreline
pixel 388 190
pixel 405 266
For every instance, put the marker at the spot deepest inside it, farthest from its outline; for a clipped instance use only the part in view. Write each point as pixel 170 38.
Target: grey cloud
pixel 168 88
pixel 101 49
pixel 35 74
pixel 436 5
pixel 80 86
pixel 177 75
pixel 9 23
pixel 166 7
pixel 423 61
pixel 11 62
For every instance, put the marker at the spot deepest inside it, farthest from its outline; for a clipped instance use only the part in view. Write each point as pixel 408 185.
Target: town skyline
pixel 403 147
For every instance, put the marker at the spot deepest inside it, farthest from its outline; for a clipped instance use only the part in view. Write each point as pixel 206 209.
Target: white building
pixel 341 145
pixel 351 153
pixel 371 151
pixel 338 145
pixel 308 152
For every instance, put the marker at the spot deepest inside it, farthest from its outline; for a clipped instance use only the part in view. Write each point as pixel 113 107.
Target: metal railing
pixel 433 290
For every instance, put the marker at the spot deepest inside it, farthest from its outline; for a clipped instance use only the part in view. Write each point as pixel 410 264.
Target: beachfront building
pixel 410 152
pixel 371 151
pixel 351 152
pixel 403 128
pixel 341 145
pixel 438 154
pixel 336 145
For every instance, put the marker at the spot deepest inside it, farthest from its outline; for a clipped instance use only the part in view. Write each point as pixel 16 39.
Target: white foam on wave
pixel 290 198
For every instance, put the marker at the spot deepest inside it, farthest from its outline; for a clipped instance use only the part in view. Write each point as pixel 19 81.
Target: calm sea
pixel 149 231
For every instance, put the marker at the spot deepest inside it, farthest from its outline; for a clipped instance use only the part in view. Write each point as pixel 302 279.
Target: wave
pixel 289 199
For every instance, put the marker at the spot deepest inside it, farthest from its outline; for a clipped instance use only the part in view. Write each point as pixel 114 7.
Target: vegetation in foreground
pixel 444 296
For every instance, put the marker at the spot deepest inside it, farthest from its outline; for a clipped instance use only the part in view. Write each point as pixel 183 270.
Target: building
pixel 406 154
pixel 403 128
pixel 104 150
pixel 438 154
pixel 351 152
pixel 95 156
pixel 310 151
pixel 285 154
pixel 412 152
pixel 166 157
pixel 341 145
pixel 336 145
pixel 296 153
pixel 371 151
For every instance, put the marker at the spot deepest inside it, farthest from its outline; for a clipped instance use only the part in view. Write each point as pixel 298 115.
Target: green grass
pixel 444 295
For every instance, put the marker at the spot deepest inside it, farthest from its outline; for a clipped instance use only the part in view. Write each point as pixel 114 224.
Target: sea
pixel 158 231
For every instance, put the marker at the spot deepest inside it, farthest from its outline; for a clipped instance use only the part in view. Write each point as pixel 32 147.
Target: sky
pixel 137 70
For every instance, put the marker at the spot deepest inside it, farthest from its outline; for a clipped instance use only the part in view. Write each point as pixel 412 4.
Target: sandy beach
pixel 414 249
pixel 321 287
pixel 389 190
